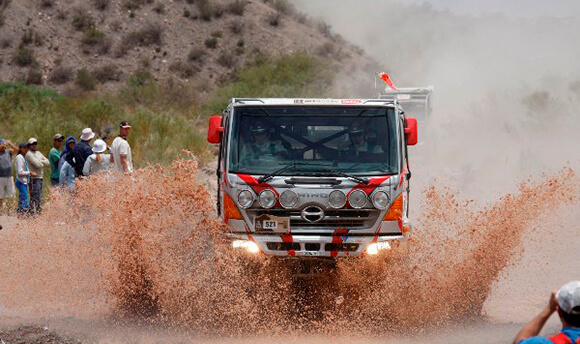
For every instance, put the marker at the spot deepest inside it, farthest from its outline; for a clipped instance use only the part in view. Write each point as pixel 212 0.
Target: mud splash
pixel 147 247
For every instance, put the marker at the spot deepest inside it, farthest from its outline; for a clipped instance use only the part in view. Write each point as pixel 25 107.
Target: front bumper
pixel 291 245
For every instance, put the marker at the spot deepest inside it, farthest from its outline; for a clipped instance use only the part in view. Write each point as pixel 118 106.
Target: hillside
pixel 78 45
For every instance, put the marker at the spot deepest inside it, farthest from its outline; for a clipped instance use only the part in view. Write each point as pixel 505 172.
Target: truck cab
pixel 321 178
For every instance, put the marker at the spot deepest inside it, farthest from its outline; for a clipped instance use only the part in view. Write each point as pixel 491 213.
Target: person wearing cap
pixel 66 163
pixel 36 163
pixel 566 302
pixel 54 157
pixel 23 175
pixel 7 150
pixel 261 146
pixel 121 150
pixel 357 142
pixel 82 151
pixel 98 162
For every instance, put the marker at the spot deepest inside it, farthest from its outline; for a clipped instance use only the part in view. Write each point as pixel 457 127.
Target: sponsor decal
pixel 351 101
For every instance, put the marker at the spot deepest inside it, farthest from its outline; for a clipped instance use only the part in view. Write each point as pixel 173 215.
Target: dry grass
pixel 226 59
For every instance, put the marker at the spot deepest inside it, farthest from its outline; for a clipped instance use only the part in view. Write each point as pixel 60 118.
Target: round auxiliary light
pixel 267 199
pixel 337 199
pixel 357 199
pixel 380 200
pixel 245 199
pixel 288 199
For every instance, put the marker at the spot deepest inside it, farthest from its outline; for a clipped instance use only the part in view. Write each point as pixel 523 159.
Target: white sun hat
pixel 569 297
pixel 100 146
pixel 87 134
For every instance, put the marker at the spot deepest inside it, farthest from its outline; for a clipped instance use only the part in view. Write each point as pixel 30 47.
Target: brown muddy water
pixel 141 260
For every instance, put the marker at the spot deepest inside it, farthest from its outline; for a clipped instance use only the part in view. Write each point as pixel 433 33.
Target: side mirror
pixel 411 131
pixel 215 129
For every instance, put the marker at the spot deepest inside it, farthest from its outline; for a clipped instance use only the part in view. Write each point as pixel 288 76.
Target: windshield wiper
pixel 290 166
pixel 332 171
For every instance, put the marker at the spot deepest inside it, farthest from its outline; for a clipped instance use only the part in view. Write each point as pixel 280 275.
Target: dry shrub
pixel 237 26
pixel 24 57
pixel 95 41
pixel 134 4
pixel 218 10
pixel 149 34
pixel 32 37
pixel 196 54
pixel 101 5
pixel 182 69
pixel 46 3
pixel 5 42
pixel 82 20
pixel 211 43
pixel 237 7
pixel 60 75
pixel 34 77
pixel 159 8
pixel 108 72
pixel 274 18
pixel 206 11
pixel 226 59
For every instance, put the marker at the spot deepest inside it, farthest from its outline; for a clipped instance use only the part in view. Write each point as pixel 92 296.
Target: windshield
pixel 355 140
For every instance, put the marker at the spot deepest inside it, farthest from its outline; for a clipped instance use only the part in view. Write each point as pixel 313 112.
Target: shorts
pixel 6 187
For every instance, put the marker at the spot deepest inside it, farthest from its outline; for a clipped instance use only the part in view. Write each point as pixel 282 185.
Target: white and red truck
pixel 313 178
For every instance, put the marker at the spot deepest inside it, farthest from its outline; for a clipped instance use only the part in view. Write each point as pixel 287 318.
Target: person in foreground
pixel 567 303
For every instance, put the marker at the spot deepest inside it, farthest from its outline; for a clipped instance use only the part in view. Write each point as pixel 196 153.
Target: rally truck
pixel 415 101
pixel 313 178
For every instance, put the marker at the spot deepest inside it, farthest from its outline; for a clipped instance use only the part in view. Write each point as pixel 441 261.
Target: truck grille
pixel 333 219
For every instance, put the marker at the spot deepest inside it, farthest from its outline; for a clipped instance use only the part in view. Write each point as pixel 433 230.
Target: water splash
pixel 148 247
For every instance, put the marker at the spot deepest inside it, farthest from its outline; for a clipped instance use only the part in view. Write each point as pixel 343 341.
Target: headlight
pixel 267 199
pixel 288 199
pixel 357 199
pixel 380 200
pixel 374 248
pixel 248 245
pixel 337 199
pixel 245 199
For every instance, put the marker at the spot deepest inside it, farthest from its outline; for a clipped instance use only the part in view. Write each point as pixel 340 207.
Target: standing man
pixel 121 150
pixel 83 150
pixel 36 163
pixel 54 157
pixel 7 150
pixel 566 302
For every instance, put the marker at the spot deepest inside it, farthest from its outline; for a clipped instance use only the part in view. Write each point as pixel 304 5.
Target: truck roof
pixel 311 101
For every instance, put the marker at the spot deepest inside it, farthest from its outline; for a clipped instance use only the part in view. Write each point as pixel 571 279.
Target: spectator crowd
pixel 22 167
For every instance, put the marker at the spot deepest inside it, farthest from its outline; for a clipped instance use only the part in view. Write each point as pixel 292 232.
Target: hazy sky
pixel 512 8
pixel 517 8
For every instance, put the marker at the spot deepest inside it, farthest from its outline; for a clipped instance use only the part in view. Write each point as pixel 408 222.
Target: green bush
pixel 24 57
pixel 85 80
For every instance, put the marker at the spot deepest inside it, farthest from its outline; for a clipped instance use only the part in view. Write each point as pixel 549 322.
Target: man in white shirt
pixel 121 150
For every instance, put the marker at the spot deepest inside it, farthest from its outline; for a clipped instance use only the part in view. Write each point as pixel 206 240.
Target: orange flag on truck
pixel 387 80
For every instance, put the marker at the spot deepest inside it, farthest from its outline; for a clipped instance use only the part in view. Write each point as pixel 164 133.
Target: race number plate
pixel 269 223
